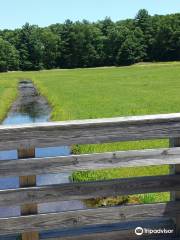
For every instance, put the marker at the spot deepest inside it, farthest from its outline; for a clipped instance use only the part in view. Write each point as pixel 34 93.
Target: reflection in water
pixel 30 107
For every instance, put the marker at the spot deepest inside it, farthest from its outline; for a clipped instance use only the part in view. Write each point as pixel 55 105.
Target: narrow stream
pixel 30 107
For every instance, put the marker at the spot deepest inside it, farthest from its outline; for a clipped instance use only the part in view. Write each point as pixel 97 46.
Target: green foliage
pixel 84 44
pixel 30 47
pixel 132 49
pixel 9 59
pixel 81 46
pixel 51 43
pixel 168 42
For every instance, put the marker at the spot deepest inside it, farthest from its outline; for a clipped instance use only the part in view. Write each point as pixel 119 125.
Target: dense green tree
pixel 30 48
pixel 132 49
pixel 88 45
pixel 144 21
pixel 167 44
pixel 85 44
pixel 176 45
pixel 81 45
pixel 9 58
pixel 51 48
pixel 105 25
pixel 114 40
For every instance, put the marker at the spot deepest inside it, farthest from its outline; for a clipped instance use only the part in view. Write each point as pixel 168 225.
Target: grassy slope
pixel 8 92
pixel 110 92
pixel 95 93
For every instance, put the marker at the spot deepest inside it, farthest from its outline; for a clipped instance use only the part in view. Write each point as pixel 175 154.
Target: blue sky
pixel 14 13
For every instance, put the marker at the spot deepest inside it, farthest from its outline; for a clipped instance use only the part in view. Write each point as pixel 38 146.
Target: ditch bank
pixel 31 107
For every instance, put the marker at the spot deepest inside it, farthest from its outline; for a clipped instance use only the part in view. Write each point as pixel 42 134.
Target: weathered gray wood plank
pixel 133 158
pixel 87 190
pixel 118 235
pixel 90 131
pixel 88 217
pixel 115 235
pixel 113 231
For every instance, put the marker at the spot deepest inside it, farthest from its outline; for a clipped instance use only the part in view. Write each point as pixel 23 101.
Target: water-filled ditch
pixel 31 107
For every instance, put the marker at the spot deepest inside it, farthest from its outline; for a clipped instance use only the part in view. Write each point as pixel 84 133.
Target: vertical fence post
pixel 28 181
pixel 175 169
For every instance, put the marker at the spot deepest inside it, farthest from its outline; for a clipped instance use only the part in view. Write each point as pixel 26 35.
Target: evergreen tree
pixel 86 44
pixel 132 49
pixel 9 58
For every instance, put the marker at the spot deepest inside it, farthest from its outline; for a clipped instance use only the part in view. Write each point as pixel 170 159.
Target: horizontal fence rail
pixel 88 217
pixel 117 231
pixel 120 231
pixel 61 164
pixel 90 131
pixel 26 138
pixel 88 190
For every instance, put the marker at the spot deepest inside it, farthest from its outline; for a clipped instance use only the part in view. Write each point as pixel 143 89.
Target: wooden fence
pixel 25 138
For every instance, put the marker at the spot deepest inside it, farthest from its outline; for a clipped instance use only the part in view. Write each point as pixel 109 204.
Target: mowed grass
pixel 8 93
pixel 112 92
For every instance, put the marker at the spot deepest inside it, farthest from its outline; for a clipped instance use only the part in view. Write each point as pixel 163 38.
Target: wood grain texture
pixel 133 158
pixel 88 217
pixel 88 190
pixel 90 131
pixel 114 231
pixel 122 231
pixel 115 235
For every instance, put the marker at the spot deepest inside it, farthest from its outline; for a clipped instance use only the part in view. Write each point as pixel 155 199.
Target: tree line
pixel 86 44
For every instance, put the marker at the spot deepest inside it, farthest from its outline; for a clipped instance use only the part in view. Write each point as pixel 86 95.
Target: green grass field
pixel 8 93
pixel 107 92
